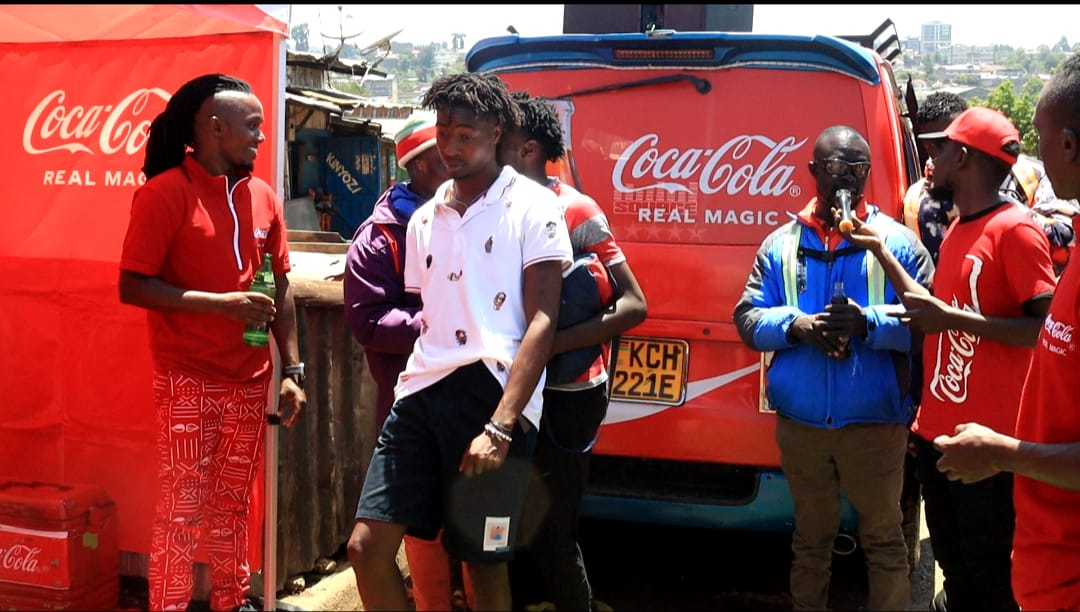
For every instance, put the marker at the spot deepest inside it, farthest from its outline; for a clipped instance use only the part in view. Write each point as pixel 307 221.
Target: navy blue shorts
pixel 413 479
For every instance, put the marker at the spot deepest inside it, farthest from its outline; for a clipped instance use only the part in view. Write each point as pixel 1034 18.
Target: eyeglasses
pixel 838 167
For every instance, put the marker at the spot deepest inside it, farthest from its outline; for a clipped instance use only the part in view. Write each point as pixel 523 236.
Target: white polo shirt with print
pixel 468 270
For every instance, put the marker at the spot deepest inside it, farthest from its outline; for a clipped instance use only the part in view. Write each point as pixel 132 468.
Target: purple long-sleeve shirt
pixel 380 314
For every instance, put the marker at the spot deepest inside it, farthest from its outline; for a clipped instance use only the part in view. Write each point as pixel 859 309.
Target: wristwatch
pixel 295 372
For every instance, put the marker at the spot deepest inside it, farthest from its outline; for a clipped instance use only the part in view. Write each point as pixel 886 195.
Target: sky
pixel 1026 25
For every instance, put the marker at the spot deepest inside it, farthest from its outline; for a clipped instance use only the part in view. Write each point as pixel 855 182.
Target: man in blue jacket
pixel 823 307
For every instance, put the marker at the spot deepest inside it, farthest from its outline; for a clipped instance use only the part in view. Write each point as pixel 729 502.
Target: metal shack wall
pixel 323 458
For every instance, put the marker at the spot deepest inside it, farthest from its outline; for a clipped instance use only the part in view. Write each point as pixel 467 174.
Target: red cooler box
pixel 58 547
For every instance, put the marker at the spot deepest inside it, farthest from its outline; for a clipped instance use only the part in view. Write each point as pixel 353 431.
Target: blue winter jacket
pixel 872 385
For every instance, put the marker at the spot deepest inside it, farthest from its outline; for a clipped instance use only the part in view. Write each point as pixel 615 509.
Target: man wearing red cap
pixel 1045 452
pixel 385 319
pixel 991 291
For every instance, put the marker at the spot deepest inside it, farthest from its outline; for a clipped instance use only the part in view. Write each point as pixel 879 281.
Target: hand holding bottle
pixel 839 298
pixel 263 285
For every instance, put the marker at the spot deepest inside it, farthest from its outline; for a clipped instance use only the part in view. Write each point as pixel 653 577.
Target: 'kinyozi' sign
pixel 343 173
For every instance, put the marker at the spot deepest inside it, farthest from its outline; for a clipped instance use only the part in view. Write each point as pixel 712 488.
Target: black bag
pixel 584 287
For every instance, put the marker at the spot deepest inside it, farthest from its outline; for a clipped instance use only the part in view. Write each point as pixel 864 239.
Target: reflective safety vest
pixel 793 258
pixel 1027 176
pixel 912 200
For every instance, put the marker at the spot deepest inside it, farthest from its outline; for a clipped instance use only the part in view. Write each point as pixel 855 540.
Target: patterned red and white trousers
pixel 210 442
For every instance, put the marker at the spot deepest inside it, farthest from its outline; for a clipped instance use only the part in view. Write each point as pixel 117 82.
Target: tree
pixel 1003 98
pixel 406 63
pixel 928 67
pixel 425 62
pixel 299 35
pixel 1019 109
pixel 349 51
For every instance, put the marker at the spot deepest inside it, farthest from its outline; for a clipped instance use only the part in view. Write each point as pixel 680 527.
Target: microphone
pixel 843 198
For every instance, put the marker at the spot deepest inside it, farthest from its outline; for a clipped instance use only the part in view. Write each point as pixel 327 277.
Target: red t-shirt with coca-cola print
pixel 991 263
pixel 1046 546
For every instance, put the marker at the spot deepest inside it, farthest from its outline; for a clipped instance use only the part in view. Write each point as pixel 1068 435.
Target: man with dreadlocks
pixel 198 230
pixel 575 405
pixel 486 255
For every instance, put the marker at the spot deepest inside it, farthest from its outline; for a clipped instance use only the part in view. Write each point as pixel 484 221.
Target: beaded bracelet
pixel 494 430
pixel 505 430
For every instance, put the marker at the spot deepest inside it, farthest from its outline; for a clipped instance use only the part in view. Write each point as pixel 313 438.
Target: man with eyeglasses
pixel 991 293
pixel 839 379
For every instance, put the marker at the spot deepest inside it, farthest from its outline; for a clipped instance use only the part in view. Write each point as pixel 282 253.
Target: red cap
pixel 982 128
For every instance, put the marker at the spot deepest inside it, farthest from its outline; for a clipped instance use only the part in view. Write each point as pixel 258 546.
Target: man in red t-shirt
pixel 199 229
pixel 1045 454
pixel 574 407
pixel 991 291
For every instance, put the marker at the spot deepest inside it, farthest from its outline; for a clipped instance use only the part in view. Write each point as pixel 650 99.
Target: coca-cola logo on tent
pixel 58 125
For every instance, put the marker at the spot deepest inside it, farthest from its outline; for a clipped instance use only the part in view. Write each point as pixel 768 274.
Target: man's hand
pixel 291 401
pixel 485 453
pixel 970 455
pixel 811 329
pixel 927 314
pixel 251 307
pixel 844 321
pixel 862 235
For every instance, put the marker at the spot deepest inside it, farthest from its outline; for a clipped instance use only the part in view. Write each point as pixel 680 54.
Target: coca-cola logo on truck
pixel 57 124
pixel 731 167
pixel 673 180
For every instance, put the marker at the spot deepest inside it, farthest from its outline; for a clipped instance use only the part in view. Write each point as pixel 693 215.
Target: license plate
pixel 650 370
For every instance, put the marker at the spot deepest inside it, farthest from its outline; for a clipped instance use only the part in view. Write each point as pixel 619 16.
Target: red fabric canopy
pixel 84 82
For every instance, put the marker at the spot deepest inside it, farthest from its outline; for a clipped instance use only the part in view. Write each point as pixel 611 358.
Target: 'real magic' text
pixel 90 178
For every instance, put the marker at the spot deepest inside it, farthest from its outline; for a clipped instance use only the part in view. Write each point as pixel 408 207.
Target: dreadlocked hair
pixel 540 122
pixel 173 130
pixel 938 105
pixel 483 93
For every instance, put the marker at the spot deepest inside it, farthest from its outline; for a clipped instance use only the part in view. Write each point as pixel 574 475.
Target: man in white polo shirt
pixel 486 255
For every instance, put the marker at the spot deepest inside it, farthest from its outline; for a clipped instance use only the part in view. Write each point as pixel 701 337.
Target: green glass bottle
pixel 259 335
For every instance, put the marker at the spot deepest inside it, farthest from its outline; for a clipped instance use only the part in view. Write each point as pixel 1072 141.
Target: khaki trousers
pixel 865 460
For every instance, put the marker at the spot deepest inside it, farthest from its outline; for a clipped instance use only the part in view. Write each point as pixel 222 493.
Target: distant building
pixel 969 54
pixel 935 35
pixel 381 88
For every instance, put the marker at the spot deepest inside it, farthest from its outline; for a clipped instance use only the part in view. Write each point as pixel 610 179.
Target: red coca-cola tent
pixel 81 85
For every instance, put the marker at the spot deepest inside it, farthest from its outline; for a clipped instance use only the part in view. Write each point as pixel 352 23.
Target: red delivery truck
pixel 696 146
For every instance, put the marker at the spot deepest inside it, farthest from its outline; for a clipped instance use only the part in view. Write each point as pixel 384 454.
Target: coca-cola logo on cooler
pixel 20 558
pixel 733 167
pixel 121 127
